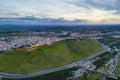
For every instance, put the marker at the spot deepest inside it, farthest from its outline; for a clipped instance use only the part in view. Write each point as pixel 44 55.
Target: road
pixel 109 72
pixel 115 62
pixel 9 75
pixel 111 67
pixel 118 55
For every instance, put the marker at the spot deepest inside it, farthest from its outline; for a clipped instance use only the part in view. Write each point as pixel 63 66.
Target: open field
pixel 46 57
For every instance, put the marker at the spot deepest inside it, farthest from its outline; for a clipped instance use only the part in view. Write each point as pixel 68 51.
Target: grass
pixel 60 75
pixel 47 57
pixel 117 70
pixel 90 76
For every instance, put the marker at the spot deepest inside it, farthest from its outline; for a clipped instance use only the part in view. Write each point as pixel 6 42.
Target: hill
pixel 46 57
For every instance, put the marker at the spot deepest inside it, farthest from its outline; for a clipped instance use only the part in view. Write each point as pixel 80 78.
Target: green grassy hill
pixel 46 57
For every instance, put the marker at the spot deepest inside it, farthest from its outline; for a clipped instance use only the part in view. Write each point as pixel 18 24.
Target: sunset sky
pixel 60 12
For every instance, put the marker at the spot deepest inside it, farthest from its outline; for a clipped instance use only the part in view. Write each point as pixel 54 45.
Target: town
pixel 97 63
pixel 8 43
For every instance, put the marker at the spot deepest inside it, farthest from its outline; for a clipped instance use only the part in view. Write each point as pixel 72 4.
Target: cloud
pixel 110 21
pixel 100 4
pixel 62 11
pixel 117 12
pixel 15 14
pixel 34 20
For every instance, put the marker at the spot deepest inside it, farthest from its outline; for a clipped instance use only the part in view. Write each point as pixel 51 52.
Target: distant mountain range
pixel 74 28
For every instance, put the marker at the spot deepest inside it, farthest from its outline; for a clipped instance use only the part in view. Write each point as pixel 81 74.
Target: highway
pixel 9 75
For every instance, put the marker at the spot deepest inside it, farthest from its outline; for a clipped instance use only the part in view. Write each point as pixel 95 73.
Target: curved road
pixel 9 75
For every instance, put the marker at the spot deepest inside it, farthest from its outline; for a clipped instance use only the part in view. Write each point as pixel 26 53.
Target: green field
pixel 46 57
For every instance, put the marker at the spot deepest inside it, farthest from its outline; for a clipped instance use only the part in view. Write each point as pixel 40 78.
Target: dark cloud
pixel 34 20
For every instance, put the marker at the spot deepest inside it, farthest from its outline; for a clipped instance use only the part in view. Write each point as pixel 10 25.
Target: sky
pixel 60 12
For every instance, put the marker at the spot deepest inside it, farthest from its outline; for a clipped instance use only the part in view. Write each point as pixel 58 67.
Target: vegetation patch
pixel 47 57
pixel 117 70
